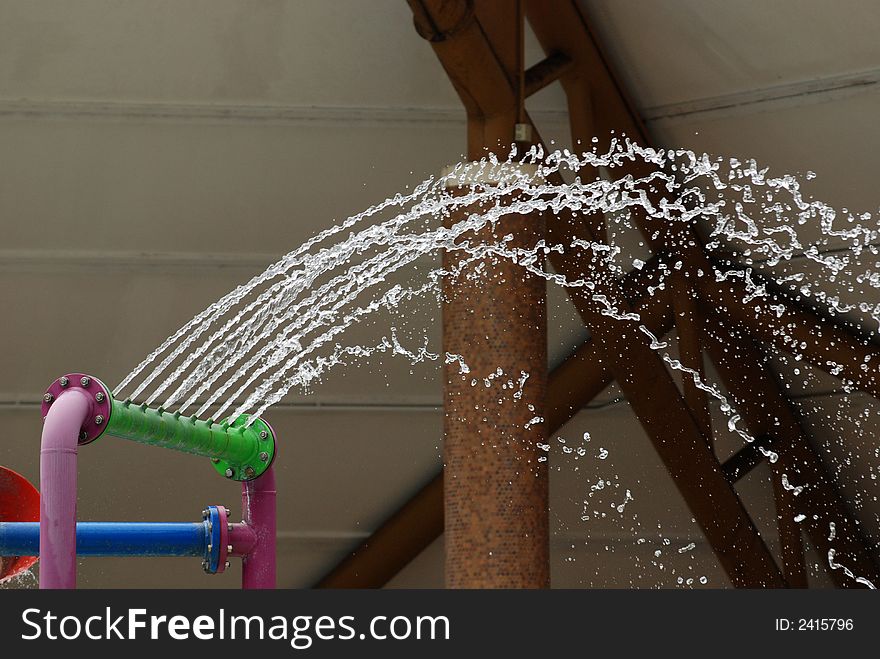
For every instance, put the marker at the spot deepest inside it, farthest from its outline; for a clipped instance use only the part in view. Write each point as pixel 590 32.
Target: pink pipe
pixel 258 505
pixel 242 539
pixel 61 430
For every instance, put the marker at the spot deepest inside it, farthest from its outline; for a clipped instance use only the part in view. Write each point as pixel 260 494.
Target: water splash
pixel 834 565
pixel 267 336
pixel 287 327
pixel 27 579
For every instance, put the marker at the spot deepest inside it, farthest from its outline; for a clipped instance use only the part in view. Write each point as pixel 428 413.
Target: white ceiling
pixel 157 154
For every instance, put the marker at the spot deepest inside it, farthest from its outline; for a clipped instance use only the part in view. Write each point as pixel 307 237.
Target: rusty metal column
pixel 496 490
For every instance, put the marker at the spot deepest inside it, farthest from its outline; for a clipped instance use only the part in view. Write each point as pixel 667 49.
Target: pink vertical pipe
pixel 61 430
pixel 242 539
pixel 258 505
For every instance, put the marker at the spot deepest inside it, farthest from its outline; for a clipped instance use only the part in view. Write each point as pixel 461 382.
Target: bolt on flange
pixel 99 398
pixel 263 446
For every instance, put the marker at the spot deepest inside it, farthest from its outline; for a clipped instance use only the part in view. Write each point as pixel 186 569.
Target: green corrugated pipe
pixel 238 451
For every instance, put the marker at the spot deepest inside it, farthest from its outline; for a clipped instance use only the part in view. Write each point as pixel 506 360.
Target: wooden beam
pixel 691 353
pixel 472 64
pixel 668 422
pixel 561 26
pixel 766 411
pixel 791 541
pixel 546 72
pixel 397 541
pixel 681 433
pixel 747 458
pixel 776 322
pixel 482 78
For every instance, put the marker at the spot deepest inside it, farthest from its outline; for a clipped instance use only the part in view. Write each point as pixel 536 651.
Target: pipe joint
pixel 217 550
pixel 96 393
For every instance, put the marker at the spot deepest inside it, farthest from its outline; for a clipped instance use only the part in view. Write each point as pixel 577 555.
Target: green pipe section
pixel 237 451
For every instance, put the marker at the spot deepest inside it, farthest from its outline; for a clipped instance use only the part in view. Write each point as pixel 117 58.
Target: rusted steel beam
pixel 766 411
pixel 419 522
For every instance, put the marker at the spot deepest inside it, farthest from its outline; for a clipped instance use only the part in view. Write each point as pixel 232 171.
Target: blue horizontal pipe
pixel 113 538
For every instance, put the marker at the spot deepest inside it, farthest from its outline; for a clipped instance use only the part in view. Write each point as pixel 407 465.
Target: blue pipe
pixel 113 538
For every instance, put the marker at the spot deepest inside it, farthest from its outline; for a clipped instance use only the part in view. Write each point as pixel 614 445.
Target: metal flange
pixel 262 458
pixel 98 394
pixel 216 519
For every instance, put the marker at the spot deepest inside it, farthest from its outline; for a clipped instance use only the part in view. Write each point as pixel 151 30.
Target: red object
pixel 19 502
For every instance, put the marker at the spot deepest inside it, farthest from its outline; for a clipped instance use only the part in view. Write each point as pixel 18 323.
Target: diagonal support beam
pixel 775 321
pixel 545 72
pixel 561 26
pixel 691 354
pixel 766 411
pixel 680 429
pixel 676 436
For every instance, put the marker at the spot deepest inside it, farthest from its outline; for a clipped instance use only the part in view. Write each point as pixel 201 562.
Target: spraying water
pixel 286 327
